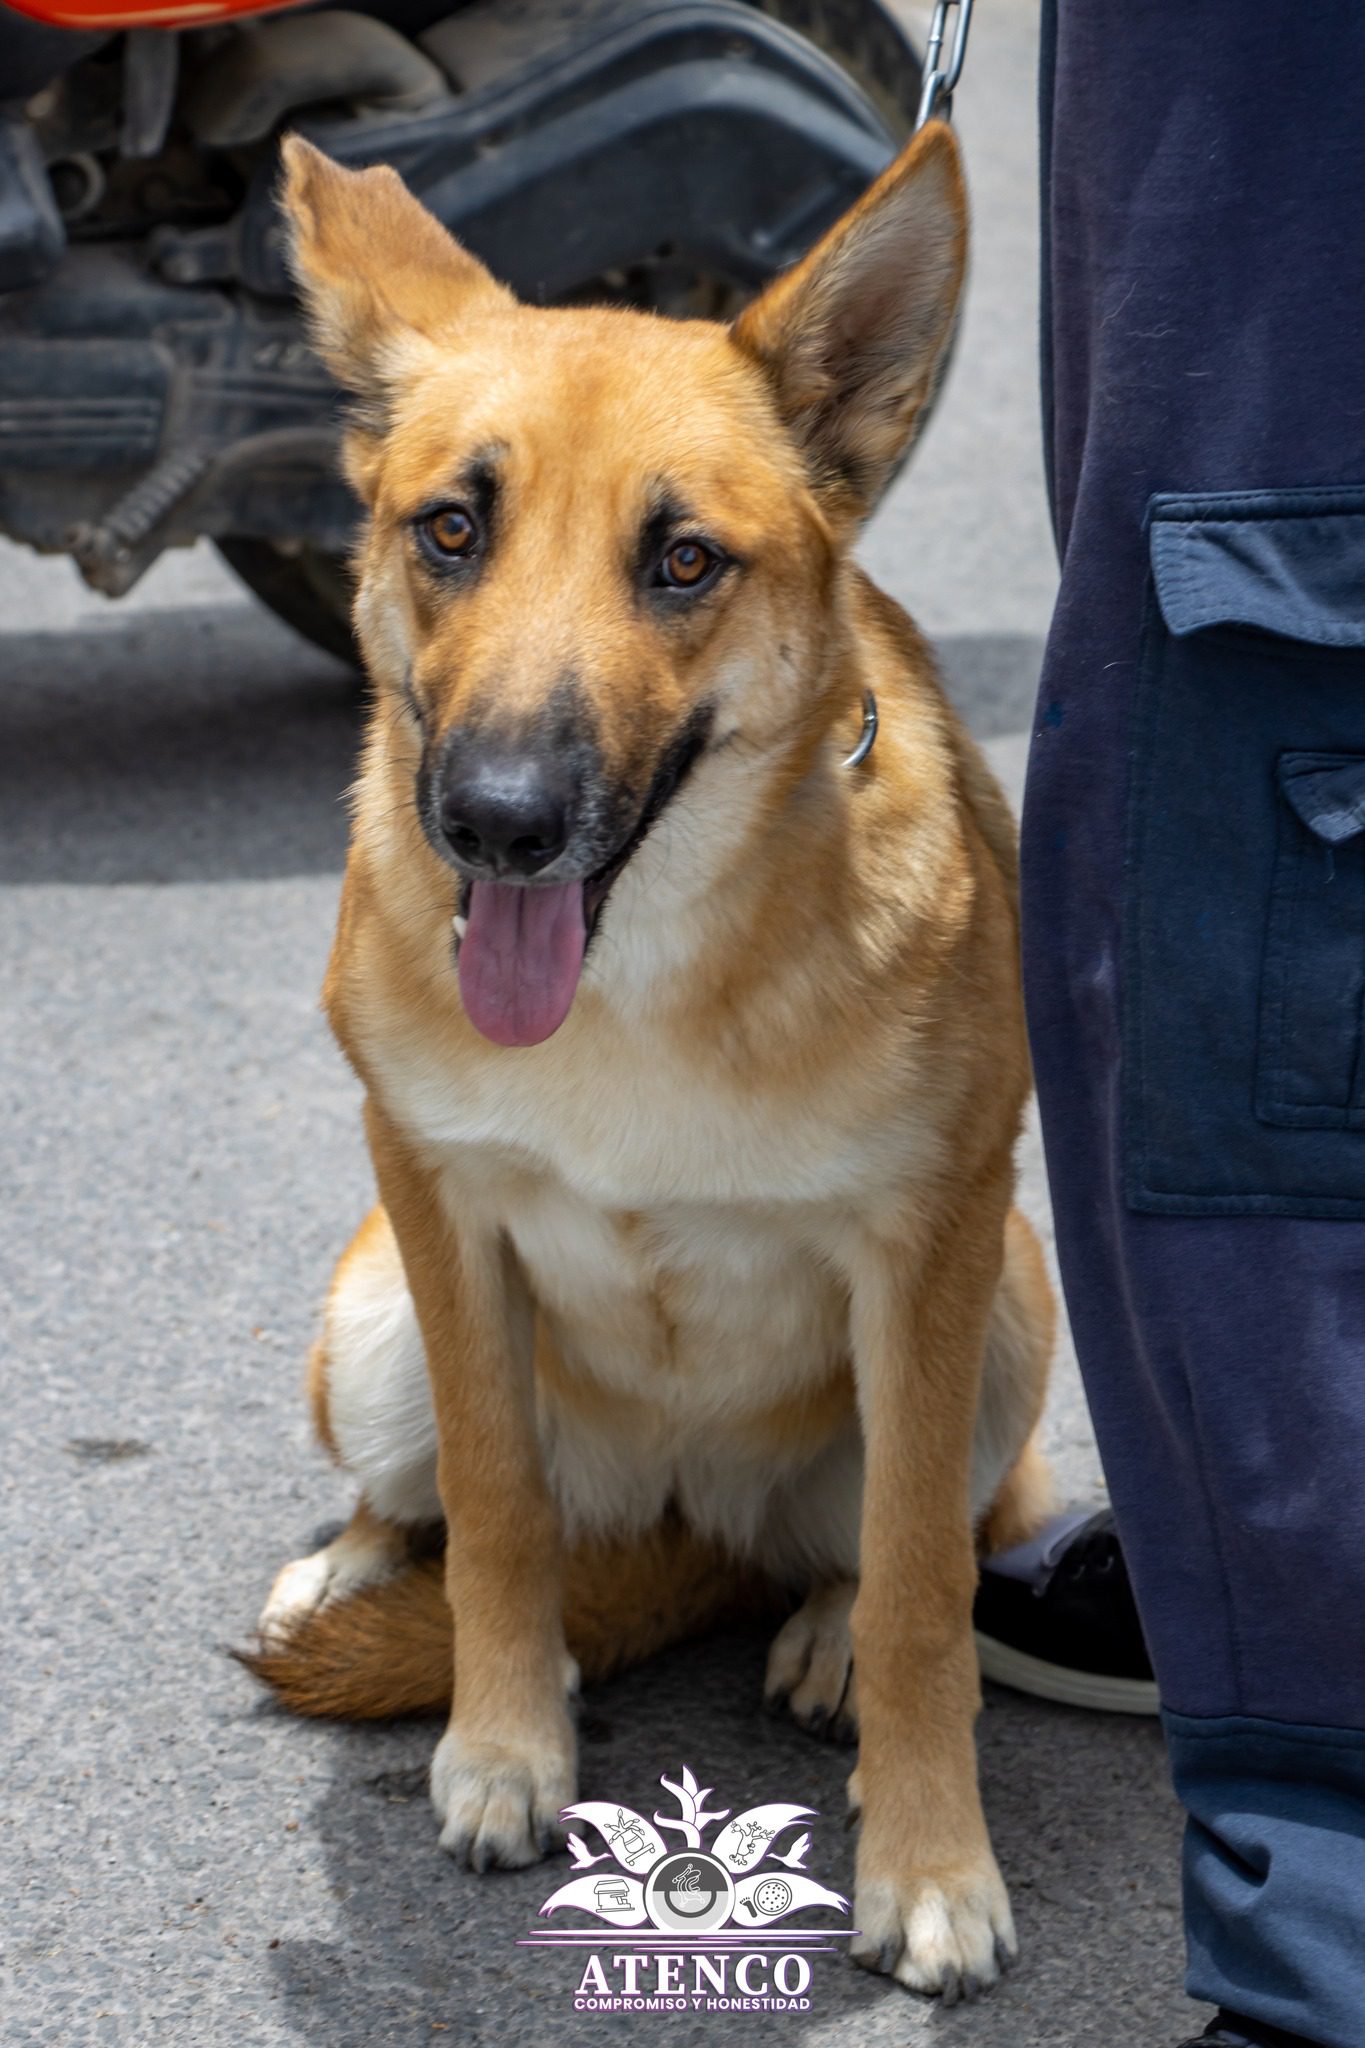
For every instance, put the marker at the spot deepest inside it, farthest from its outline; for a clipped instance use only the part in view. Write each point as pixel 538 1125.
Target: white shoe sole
pixel 1023 1673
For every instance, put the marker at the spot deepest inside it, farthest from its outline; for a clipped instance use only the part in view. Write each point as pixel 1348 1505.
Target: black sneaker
pixel 1227 2031
pixel 1056 1618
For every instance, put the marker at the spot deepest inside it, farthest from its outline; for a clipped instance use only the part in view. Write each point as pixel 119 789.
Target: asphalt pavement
pixel 183 1159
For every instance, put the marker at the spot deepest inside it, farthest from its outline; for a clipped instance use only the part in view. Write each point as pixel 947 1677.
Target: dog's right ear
pixel 374 268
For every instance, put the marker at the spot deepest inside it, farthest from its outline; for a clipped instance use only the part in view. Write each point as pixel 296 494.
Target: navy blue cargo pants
pixel 1194 920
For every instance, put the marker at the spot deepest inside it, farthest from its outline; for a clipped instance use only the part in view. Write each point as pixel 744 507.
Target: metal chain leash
pixel 935 103
pixel 940 80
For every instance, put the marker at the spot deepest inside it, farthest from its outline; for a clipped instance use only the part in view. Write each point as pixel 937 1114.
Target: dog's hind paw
pixel 947 1935
pixel 810 1666
pixel 299 1590
pixel 366 1553
pixel 499 1807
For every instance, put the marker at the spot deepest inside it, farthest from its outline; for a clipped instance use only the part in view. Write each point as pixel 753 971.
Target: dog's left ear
pixel 851 337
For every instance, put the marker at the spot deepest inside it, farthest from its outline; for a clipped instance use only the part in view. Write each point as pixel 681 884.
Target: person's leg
pixel 1194 922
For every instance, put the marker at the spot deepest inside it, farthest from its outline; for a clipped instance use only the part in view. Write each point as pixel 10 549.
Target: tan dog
pixel 696 1272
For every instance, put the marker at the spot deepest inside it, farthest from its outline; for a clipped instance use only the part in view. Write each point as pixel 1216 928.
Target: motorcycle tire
pixel 309 590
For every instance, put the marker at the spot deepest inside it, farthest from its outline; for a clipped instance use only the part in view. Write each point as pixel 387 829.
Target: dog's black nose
pixel 504 817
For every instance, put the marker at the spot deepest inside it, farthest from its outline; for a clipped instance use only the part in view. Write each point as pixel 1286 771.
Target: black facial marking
pixel 678 760
pixel 667 517
pixel 476 490
pixel 671 524
pixel 480 485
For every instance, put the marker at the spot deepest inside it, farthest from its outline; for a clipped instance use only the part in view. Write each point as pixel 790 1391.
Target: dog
pixel 691 1033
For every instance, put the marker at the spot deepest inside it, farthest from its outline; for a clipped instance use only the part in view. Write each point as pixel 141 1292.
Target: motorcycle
pixel 156 385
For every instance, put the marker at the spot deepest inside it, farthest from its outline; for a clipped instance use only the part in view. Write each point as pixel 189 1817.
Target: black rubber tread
pixel 309 590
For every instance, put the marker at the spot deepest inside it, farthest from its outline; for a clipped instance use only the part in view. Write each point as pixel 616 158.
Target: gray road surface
pixel 183 1160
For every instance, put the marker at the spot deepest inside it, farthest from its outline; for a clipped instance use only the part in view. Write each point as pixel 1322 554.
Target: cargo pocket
pixel 1310 1074
pixel 1244 964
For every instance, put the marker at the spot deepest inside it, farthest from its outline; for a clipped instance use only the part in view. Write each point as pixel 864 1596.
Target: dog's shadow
pixel 1083 1820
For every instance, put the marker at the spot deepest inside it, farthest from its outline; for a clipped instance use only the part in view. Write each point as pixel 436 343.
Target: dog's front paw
pixel 945 1932
pixel 499 1803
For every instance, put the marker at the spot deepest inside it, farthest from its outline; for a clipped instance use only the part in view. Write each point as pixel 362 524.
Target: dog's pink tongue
pixel 520 959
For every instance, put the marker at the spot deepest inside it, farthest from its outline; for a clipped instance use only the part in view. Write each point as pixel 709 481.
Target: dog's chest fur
pixel 685 1251
pixel 683 1239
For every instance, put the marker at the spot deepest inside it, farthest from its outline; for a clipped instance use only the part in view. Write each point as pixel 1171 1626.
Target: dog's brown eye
pixel 451 531
pixel 687 564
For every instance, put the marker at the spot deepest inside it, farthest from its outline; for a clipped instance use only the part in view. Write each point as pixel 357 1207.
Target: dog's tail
pixel 389 1649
